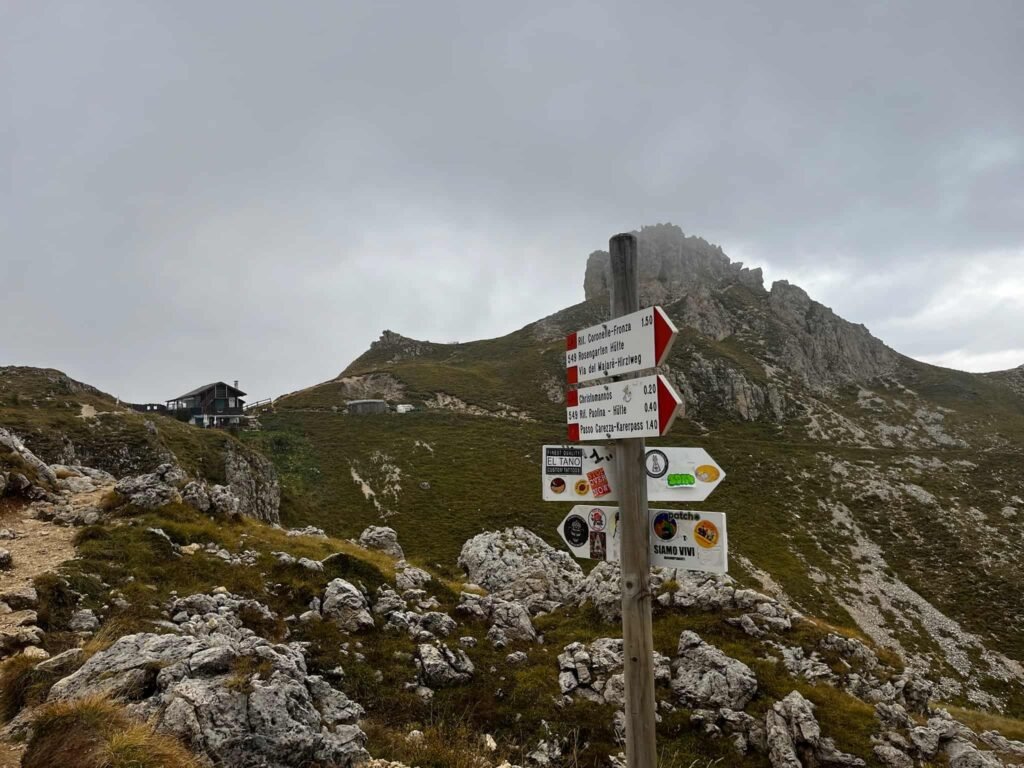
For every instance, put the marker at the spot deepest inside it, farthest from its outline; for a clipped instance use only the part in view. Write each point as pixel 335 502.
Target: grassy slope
pixel 45 409
pixel 483 471
pixel 508 702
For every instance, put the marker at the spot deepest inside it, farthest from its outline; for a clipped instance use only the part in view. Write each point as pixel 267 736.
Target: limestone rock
pixel 252 479
pixel 440 667
pixel 509 620
pixel 153 490
pixel 708 679
pixel 25 460
pixel 383 539
pixel 794 737
pixel 516 564
pixel 281 717
pixel 346 606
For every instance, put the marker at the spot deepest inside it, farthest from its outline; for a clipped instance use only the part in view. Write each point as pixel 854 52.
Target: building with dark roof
pixel 213 405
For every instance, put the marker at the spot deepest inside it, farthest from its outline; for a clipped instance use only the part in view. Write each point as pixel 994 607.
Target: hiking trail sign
pixel 626 344
pixel 689 539
pixel 642 407
pixel 585 473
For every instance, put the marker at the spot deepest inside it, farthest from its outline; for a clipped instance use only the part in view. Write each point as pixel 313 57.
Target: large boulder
pixel 346 606
pixel 154 489
pixel 382 538
pixel 516 564
pixel 705 678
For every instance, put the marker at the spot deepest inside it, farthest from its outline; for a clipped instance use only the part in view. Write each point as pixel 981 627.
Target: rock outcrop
pixel 253 479
pixel 517 564
pixel 705 678
pixel 383 539
pixel 231 696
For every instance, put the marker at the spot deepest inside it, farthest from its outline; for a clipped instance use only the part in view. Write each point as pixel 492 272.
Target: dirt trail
pixel 37 547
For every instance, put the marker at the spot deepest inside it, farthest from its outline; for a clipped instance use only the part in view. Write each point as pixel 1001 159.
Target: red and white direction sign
pixel 584 473
pixel 626 344
pixel 679 538
pixel 643 407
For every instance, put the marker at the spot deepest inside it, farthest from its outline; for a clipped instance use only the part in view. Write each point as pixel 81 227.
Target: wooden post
pixel 637 634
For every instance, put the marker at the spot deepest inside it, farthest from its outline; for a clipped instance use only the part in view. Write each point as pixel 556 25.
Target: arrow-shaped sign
pixel 679 538
pixel 626 344
pixel 582 473
pixel 644 407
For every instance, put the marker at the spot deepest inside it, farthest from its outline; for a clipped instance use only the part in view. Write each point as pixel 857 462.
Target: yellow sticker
pixel 582 487
pixel 705 533
pixel 707 473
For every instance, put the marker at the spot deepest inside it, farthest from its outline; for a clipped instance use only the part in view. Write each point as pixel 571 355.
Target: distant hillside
pixel 866 487
pixel 64 421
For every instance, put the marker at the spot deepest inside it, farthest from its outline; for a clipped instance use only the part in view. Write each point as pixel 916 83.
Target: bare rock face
pixel 806 339
pixel 253 480
pixel 516 564
pixel 670 264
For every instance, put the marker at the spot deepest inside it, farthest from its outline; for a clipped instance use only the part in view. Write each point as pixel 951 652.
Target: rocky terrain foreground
pixel 252 645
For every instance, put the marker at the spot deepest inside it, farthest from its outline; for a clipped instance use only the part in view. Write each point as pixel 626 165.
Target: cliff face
pixel 796 333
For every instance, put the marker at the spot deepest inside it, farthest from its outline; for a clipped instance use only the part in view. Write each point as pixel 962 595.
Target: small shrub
pixel 96 733
pixel 21 685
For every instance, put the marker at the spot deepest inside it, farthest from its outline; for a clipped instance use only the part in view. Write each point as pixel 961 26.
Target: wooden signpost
pixel 634 552
pixel 628 409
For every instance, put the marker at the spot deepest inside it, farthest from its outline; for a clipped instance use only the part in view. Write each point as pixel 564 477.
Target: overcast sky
pixel 254 191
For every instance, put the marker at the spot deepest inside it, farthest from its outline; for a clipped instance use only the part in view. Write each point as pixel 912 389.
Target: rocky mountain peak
pixel 672 264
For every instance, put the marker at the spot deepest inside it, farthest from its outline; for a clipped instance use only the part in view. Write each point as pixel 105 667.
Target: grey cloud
pixel 255 190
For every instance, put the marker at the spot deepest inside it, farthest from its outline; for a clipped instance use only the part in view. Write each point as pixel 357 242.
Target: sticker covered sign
pixel 590 474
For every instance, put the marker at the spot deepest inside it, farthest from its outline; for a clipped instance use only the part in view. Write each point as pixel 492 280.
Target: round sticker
pixel 707 473
pixel 665 526
pixel 576 531
pixel 705 533
pixel 657 463
pixel 582 487
pixel 558 485
pixel 598 520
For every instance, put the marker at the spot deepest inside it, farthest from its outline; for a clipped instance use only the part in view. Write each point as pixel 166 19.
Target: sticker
pixel 576 531
pixel 582 487
pixel 665 526
pixel 598 521
pixel 563 461
pixel 706 534
pixel 657 463
pixel 707 473
pixel 598 545
pixel 599 483
pixel 558 485
pixel 681 480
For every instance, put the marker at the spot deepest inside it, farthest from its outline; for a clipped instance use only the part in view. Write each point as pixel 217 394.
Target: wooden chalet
pixel 213 405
